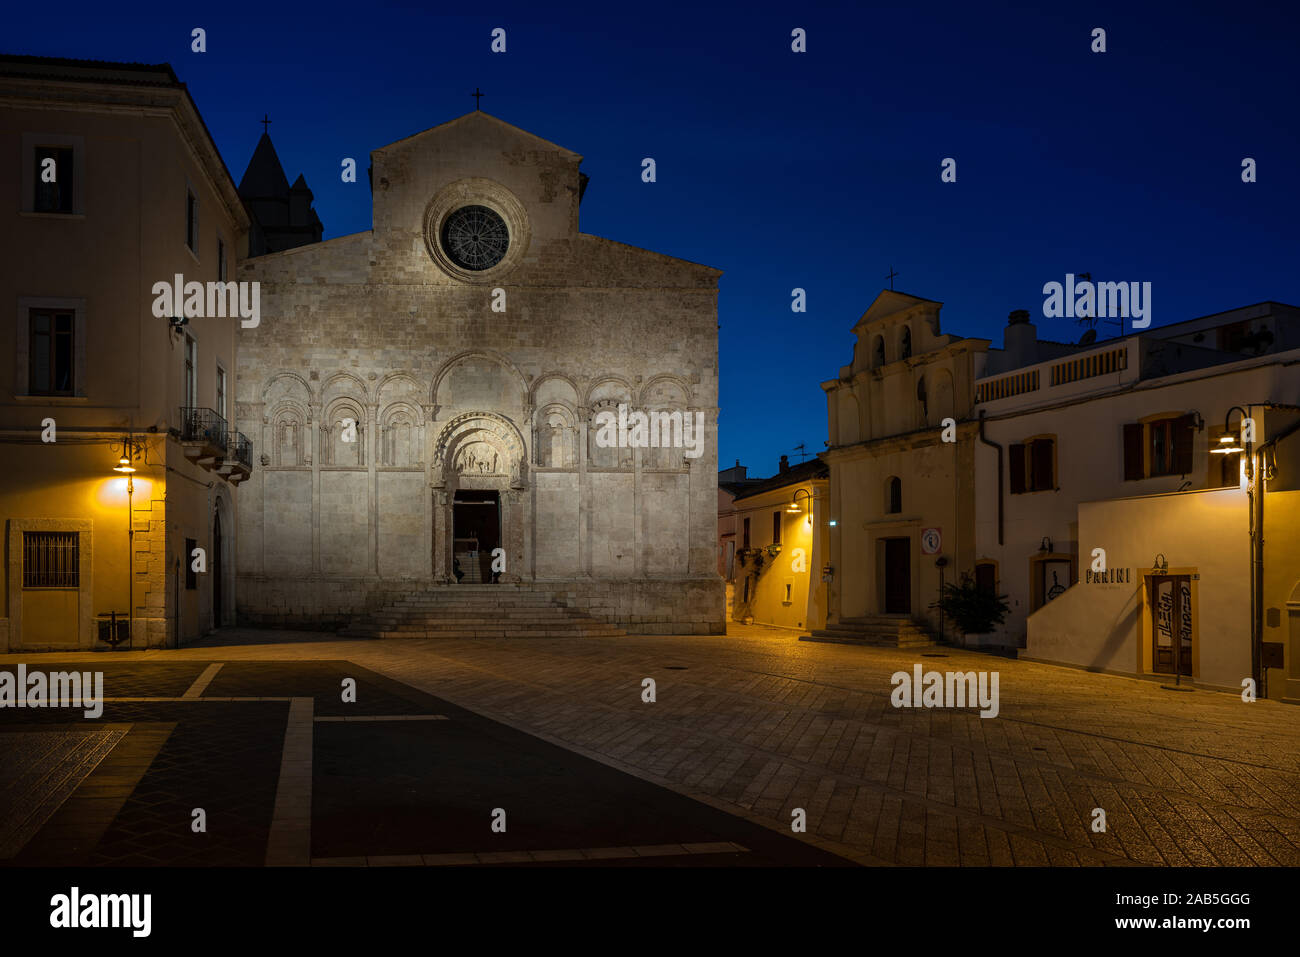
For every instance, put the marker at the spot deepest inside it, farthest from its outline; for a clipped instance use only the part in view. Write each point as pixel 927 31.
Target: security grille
pixel 51 560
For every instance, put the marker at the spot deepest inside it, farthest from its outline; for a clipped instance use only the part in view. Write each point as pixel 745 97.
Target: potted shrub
pixel 974 610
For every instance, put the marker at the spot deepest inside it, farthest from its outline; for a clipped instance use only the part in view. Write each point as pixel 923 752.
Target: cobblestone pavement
pixel 758 724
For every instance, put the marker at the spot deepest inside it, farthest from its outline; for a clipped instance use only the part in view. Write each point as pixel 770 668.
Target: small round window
pixel 475 237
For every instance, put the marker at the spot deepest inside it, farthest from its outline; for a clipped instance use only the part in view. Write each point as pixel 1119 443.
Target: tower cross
pixel 476 94
pixel 891 276
pixel 265 121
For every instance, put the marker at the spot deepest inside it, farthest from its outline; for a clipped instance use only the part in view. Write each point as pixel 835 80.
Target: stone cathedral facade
pixel 424 393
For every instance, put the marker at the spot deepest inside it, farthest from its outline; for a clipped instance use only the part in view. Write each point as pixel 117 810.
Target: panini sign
pixel 1111 576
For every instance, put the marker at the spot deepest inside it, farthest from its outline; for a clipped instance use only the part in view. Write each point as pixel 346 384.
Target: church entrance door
pixel 898 576
pixel 476 531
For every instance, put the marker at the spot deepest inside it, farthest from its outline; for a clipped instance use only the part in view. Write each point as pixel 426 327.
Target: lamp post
pixel 1231 443
pixel 124 466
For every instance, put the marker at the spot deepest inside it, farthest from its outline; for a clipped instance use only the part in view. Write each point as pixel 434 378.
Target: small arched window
pixel 878 352
pixel 894 495
pixel 905 348
pixel 922 398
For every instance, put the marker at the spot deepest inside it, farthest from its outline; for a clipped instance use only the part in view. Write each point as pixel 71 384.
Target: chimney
pixel 1020 339
pixel 785 463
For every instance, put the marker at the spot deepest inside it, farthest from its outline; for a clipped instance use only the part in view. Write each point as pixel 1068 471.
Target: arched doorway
pixel 479 472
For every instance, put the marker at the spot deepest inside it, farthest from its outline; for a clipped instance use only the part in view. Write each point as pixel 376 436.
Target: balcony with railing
pixel 238 464
pixel 204 436
pixel 209 441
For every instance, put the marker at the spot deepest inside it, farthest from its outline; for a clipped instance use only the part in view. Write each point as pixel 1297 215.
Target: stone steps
pixel 880 631
pixel 479 611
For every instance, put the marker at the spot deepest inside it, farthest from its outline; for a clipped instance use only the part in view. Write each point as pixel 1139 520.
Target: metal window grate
pixel 51 560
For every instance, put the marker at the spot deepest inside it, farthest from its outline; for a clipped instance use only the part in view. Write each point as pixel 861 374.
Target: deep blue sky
pixel 818 170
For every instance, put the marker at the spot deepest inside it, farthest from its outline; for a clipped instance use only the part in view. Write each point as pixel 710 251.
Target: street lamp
pixel 124 466
pixel 794 508
pixel 1231 442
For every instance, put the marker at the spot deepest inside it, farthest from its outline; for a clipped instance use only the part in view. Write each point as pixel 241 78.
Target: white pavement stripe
pixel 203 680
pixel 289 842
pixel 382 717
pixel 147 700
pixel 535 857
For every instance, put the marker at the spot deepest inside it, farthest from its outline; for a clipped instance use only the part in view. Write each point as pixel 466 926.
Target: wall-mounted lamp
pixel 834 522
pixel 1230 442
pixel 794 508
pixel 1160 563
pixel 1045 546
pixel 124 463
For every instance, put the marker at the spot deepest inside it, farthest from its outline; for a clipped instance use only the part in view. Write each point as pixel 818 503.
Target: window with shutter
pixel 1133 465
pixel 1016 454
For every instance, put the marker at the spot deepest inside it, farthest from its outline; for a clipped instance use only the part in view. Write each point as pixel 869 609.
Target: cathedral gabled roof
pixel 264 176
pixel 476 117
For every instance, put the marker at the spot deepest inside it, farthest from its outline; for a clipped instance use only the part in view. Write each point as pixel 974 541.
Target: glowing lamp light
pixel 124 463
pixel 1228 444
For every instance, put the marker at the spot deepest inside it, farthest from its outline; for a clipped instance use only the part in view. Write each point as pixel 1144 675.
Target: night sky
pixel 817 170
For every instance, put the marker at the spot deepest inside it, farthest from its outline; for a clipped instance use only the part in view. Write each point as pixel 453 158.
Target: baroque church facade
pixel 422 398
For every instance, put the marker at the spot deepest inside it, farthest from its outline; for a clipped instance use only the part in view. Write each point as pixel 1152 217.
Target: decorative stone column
pixel 512 532
pixel 442 533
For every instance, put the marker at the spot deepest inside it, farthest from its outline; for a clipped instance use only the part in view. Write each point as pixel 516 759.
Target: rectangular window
pixel 221 259
pixel 221 392
pixel 192 221
pixel 1170 441
pixel 1033 466
pixel 53 179
pixel 50 352
pixel 776 528
pixel 986 577
pixel 51 560
pixel 746 534
pixel 191 576
pixel 191 364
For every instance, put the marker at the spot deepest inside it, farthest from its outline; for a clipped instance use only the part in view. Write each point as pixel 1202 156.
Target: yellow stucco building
pixel 114 184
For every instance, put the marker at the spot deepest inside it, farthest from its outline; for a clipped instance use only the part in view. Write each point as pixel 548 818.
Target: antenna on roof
pixel 800 449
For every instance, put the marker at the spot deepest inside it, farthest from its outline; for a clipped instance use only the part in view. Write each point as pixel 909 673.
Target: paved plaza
pixel 746 728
